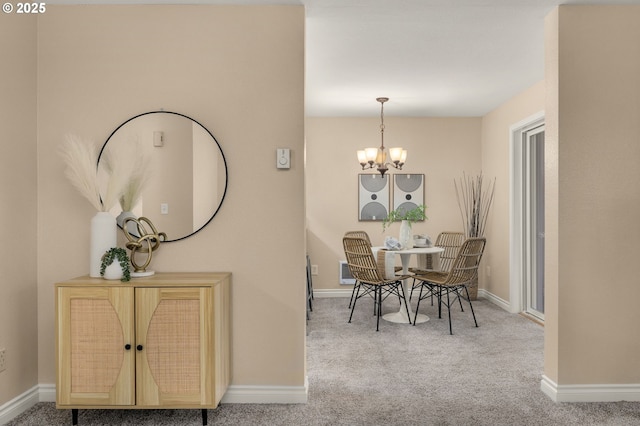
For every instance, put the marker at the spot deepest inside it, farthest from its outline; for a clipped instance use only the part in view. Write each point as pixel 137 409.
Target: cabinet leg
pixel 74 416
pixel 204 417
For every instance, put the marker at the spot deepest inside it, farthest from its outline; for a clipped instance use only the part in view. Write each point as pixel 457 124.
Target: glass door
pixel 534 226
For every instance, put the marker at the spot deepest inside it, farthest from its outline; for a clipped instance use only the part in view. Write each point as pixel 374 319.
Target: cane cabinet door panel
pixel 174 337
pixel 96 360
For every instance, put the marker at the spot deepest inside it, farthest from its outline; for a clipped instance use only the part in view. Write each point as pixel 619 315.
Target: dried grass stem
pixel 474 201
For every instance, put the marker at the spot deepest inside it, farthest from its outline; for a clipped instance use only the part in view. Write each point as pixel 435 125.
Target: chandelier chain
pixel 382 122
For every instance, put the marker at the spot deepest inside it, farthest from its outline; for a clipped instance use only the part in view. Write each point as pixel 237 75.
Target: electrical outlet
pixel 3 360
pixel 314 269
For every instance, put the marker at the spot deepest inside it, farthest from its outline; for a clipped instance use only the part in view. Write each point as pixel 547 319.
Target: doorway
pixel 533 232
pixel 527 217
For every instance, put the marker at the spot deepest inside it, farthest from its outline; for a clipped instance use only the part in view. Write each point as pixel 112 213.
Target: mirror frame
pixel 224 160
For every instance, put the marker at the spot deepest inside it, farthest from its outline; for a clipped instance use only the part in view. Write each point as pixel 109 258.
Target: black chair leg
pixel 404 297
pixel 375 301
pixel 459 299
pixel 471 306
pixel 449 312
pixel 74 416
pixel 309 284
pixel 204 417
pixel 379 290
pixel 355 286
pixel 415 316
pixel 354 303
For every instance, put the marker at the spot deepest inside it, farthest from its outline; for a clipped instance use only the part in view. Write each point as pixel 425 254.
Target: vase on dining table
pixel 406 239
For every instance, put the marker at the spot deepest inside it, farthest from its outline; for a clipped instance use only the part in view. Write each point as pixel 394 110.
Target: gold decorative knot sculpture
pixel 146 242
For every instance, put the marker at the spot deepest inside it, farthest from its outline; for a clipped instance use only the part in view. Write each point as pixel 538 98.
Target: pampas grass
pixel 132 162
pixel 474 201
pixel 81 160
pixel 118 178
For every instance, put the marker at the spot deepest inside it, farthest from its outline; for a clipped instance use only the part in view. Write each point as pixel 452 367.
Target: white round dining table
pixel 405 258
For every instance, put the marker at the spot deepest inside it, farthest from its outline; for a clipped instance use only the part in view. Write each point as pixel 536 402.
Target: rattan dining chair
pixel 309 288
pixel 371 275
pixel 463 269
pixel 450 242
pixel 357 234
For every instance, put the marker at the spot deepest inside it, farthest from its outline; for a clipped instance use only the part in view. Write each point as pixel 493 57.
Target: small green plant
pixel 120 255
pixel 413 215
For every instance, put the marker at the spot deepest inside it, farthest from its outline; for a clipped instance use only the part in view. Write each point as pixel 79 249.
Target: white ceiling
pixel 430 57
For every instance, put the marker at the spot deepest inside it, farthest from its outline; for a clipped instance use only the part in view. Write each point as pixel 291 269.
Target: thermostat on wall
pixel 283 159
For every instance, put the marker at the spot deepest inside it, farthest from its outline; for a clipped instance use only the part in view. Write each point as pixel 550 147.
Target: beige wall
pixel 441 148
pixel 496 163
pixel 240 72
pixel 18 205
pixel 551 335
pixel 594 61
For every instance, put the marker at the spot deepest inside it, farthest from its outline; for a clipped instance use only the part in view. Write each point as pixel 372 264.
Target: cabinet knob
pixel 127 346
pixel 139 347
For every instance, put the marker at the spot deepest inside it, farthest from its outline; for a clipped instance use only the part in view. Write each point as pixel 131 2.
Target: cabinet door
pixel 94 325
pixel 174 334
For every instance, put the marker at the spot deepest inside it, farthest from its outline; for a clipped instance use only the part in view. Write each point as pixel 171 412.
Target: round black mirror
pixel 186 177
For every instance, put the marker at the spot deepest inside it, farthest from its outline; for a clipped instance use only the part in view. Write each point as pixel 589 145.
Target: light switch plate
pixel 158 139
pixel 283 158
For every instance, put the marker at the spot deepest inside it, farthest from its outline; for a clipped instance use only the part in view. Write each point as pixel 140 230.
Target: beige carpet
pixel 401 375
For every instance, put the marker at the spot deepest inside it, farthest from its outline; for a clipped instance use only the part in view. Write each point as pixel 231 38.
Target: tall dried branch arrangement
pixel 81 160
pixel 474 200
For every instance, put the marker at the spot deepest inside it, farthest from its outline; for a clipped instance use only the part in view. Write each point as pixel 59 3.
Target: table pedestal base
pixel 401 318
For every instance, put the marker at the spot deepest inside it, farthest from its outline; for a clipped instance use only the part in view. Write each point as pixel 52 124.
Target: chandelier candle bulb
pixel 372 154
pixel 362 157
pixel 396 154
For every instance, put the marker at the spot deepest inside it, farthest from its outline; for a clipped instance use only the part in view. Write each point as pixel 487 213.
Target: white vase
pixel 406 239
pixel 113 271
pixel 132 227
pixel 103 237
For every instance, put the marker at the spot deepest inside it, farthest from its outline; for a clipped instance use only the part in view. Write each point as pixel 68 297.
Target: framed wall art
pixel 373 197
pixel 408 191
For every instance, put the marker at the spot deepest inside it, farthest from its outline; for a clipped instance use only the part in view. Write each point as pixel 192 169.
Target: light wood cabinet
pixel 156 342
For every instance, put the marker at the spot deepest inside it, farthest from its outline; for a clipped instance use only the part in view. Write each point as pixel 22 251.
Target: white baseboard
pixel 234 395
pixel 266 394
pixel 484 294
pixel 346 292
pixel 20 404
pixel 332 292
pixel 589 393
pixel 48 392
